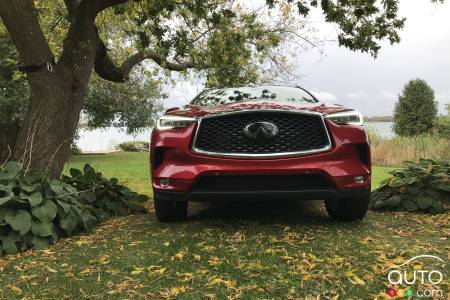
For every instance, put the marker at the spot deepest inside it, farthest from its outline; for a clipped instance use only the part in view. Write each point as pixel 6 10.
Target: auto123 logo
pixel 412 279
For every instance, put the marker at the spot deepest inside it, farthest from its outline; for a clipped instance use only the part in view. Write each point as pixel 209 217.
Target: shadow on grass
pixel 266 212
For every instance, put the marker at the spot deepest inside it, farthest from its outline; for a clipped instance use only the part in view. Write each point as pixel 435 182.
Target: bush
pixel 35 211
pixel 134 146
pixel 422 186
pixel 75 150
pixel 416 110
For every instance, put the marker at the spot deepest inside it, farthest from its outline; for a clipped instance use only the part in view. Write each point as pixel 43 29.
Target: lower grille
pixel 262 183
pixel 294 133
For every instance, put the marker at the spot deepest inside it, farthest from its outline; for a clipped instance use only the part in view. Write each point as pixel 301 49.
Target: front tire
pixel 169 211
pixel 348 209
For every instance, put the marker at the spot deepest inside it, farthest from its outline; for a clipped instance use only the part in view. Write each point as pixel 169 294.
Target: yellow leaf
pixel 214 261
pixel 166 244
pixel 270 251
pixel 197 258
pixel 15 289
pixel 86 271
pixel 104 259
pixel 208 248
pixel 219 281
pixel 137 270
pixel 156 270
pixel 186 276
pixel 51 270
pixel 306 277
pixel 368 277
pixel 356 280
pixel 179 256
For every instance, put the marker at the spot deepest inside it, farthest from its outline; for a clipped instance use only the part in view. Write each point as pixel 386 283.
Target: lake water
pixel 105 139
pixel 384 129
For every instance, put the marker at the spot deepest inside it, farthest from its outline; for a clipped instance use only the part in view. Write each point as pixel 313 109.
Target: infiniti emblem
pixel 261 131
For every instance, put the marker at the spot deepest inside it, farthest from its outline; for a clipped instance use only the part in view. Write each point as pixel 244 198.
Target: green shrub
pixel 422 186
pixel 75 150
pixel 134 146
pixel 35 211
pixel 443 127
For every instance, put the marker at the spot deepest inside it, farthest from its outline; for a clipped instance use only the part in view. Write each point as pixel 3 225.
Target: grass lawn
pixel 250 251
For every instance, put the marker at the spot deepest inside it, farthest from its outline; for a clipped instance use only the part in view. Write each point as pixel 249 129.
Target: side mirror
pixel 172 109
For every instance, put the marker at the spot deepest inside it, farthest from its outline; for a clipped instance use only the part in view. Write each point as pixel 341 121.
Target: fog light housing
pixel 358 179
pixel 164 182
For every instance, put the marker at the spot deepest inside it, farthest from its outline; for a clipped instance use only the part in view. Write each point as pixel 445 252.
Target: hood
pixel 201 111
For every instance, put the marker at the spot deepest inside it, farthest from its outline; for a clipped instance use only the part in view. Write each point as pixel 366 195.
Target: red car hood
pixel 201 111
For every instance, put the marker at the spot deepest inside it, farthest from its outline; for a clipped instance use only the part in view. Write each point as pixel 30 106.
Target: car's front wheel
pixel 348 209
pixel 169 211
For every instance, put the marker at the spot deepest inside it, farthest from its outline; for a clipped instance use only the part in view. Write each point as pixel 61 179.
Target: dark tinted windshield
pixel 272 93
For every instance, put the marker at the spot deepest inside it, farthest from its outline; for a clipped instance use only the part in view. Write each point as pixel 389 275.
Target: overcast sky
pixel 372 85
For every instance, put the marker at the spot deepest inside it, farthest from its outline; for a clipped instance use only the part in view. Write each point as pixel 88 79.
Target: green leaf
pixel 42 228
pixel 6 193
pixel 88 196
pixel 75 173
pixel 410 205
pixel 70 189
pixel 70 222
pixel 40 243
pixel 414 189
pixel 29 188
pixel 9 242
pixel 89 172
pixel 396 182
pixel 89 221
pixel 57 187
pixel 395 200
pixel 3 213
pixel 12 169
pixel 438 207
pixel 34 177
pixel 424 201
pixel 19 220
pixel 64 205
pixel 141 198
pixel 379 204
pixel 5 199
pixel 45 212
pixel 35 199
pixel 444 187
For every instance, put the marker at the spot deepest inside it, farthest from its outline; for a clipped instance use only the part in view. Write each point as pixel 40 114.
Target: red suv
pixel 260 142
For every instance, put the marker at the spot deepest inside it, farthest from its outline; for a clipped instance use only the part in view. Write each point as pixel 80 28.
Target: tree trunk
pixel 57 93
pixel 49 125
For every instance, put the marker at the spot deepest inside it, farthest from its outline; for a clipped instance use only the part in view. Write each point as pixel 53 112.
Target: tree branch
pixel 161 61
pixel 106 68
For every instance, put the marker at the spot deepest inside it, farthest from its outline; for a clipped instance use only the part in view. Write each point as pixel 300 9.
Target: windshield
pixel 271 93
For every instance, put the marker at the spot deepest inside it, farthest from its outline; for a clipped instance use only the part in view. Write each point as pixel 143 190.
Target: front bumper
pixel 172 158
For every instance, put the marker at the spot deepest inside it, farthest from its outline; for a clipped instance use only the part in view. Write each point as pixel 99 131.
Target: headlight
pixel 171 122
pixel 346 117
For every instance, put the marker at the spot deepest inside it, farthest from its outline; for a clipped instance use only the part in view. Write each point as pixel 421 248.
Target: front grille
pixel 297 133
pixel 262 183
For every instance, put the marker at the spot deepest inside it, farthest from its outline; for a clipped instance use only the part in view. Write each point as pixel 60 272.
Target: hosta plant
pixel 35 210
pixel 422 186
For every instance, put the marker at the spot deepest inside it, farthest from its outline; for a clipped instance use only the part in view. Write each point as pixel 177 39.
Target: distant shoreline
pixel 379 119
